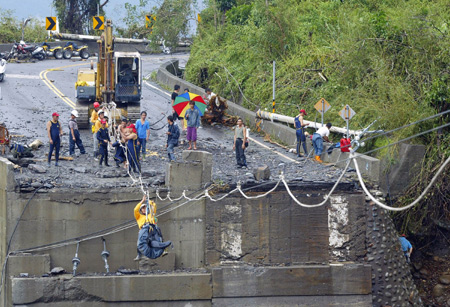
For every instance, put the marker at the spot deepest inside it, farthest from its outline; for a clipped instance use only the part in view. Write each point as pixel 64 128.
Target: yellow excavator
pixel 116 81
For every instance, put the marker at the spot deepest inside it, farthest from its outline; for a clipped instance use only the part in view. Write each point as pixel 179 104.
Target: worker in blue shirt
pixel 143 133
pixel 406 247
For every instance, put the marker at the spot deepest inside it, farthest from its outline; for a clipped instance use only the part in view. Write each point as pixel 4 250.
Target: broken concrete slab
pixel 262 173
pixel 37 168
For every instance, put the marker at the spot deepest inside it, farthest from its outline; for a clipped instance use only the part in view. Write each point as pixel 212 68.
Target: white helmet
pixel 74 113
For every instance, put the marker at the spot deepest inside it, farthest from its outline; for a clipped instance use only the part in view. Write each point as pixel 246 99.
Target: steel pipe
pixel 290 120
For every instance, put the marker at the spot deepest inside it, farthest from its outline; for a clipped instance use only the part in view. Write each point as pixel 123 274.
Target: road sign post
pixel 50 23
pixel 347 114
pixel 149 19
pixel 322 106
pixel 98 22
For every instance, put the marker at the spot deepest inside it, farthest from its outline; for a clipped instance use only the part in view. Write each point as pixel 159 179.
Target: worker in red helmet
pixel 94 119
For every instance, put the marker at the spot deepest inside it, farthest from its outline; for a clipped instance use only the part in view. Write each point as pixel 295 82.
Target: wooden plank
pixel 292 281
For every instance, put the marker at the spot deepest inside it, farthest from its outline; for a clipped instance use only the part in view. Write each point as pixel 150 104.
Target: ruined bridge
pixel 235 252
pixel 238 251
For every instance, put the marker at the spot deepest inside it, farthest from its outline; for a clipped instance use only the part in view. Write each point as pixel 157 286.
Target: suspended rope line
pixel 395 143
pixel 260 195
pixel 406 126
pixel 415 202
pixel 326 196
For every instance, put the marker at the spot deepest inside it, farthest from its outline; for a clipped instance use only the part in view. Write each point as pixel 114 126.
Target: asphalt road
pixel 31 92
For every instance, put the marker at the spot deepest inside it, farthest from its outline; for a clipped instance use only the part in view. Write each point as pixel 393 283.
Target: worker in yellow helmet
pixel 150 241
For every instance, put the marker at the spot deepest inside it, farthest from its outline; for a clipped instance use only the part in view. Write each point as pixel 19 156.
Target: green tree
pixel 171 24
pixel 135 21
pixel 11 29
pixel 172 19
pixel 75 16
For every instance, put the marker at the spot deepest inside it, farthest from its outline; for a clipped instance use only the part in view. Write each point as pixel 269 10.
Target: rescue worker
pixel 208 95
pixel 240 138
pixel 300 132
pixel 94 118
pixel 193 122
pixel 132 154
pixel 54 132
pixel 345 144
pixel 317 140
pixel 406 247
pixel 149 241
pixel 143 133
pixel 123 126
pixel 74 137
pixel 97 126
pixel 104 140
pixel 119 156
pixel 176 90
pixel 173 135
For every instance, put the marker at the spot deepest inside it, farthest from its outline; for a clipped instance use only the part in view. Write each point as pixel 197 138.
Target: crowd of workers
pixel 133 137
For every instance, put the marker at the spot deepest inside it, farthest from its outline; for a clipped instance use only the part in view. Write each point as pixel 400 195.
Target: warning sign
pixel 322 106
pixel 347 113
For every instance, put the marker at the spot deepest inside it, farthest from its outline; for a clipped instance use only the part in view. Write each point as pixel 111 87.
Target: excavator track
pixel 83 114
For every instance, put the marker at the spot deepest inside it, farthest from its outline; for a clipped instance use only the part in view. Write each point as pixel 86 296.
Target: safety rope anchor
pixel 76 261
pixel 105 255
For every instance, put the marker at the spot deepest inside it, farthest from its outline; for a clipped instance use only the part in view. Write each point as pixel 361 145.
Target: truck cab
pixel 128 66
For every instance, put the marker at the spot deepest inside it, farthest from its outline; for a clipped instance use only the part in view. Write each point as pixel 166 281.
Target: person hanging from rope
pixel 300 132
pixel 150 240
pixel 132 153
pixel 173 135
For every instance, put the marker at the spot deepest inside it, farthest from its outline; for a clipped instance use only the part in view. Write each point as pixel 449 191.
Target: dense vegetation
pixel 389 60
pixel 11 29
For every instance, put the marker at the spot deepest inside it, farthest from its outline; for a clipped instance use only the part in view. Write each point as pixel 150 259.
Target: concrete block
pixel 291 281
pixel 396 177
pixel 262 173
pixel 370 168
pixel 304 301
pixel 166 263
pixel 7 181
pixel 135 288
pixel 184 176
pixel 28 263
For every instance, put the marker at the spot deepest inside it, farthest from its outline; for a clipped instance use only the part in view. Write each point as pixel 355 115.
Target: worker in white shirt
pixel 317 140
pixel 208 95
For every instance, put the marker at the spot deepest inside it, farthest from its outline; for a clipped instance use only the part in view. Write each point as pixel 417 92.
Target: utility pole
pixel 24 24
pixel 273 94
